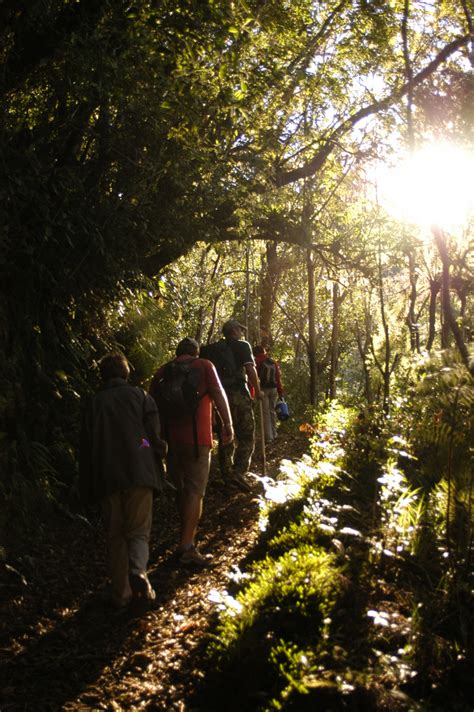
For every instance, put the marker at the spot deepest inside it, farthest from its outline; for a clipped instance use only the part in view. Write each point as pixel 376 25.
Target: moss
pixel 297 534
pixel 285 604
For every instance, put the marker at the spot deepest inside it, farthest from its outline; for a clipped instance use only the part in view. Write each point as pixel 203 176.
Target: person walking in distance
pixel 235 366
pixel 120 454
pixel 269 375
pixel 184 390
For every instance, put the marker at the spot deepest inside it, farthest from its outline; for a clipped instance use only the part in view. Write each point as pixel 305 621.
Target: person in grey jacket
pixel 120 457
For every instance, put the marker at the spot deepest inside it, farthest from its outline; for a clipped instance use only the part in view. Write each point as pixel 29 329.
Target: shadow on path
pixel 62 649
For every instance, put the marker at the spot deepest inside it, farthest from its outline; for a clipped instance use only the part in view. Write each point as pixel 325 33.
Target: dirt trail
pixel 61 649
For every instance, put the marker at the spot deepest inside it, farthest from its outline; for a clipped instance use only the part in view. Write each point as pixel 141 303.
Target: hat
pixel 232 324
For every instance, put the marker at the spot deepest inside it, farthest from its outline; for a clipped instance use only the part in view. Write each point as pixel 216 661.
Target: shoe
pixel 139 606
pixel 144 596
pixel 192 558
pixel 239 482
pixel 141 587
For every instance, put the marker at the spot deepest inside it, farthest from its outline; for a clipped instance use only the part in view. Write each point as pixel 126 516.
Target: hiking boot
pixel 238 481
pixel 192 558
pixel 139 606
pixel 144 596
pixel 141 587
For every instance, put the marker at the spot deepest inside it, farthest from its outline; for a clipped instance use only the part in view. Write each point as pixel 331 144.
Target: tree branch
pixel 318 160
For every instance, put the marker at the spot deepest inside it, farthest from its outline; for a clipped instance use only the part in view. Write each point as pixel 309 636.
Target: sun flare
pixel 435 185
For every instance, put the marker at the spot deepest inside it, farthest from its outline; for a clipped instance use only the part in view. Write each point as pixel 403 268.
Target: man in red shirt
pixel 189 436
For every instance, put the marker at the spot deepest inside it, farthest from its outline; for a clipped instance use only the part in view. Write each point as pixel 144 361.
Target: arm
pixel 219 398
pixel 222 405
pixel 278 380
pixel 253 380
pixel 151 421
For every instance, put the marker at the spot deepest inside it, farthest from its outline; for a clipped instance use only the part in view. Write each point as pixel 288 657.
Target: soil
pixel 63 648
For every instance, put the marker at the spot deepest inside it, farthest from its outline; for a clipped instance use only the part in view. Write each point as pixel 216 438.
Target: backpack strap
pixel 193 414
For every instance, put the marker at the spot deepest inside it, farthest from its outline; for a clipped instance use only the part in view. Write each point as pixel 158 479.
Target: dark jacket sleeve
pixel 152 390
pixel 151 420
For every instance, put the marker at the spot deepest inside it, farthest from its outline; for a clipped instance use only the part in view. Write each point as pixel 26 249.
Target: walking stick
pixel 262 437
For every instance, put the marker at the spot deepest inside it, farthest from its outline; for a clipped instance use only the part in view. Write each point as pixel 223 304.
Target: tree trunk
pixel 411 318
pixel 435 286
pixel 408 73
pixel 334 341
pixel 310 265
pixel 363 348
pixel 462 288
pixel 386 368
pixel 212 326
pixel 198 334
pixel 269 285
pixel 448 314
pixel 247 286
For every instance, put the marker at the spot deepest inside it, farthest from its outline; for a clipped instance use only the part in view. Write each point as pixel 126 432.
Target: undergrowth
pixel 353 597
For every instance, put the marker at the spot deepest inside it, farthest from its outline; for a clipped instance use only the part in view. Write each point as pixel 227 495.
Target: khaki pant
pixel 128 516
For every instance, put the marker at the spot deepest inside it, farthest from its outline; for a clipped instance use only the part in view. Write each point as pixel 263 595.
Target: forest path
pixel 62 649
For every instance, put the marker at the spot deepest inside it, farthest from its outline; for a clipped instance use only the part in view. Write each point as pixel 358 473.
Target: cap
pixel 232 324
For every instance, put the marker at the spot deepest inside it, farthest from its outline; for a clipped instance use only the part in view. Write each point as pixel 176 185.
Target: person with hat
pixel 235 364
pixel 184 390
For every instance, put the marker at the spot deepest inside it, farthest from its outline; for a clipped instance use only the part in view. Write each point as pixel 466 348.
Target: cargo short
pixel 186 472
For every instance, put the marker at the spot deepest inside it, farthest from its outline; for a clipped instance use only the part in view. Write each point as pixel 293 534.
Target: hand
pixel 259 396
pixel 227 433
pixel 162 448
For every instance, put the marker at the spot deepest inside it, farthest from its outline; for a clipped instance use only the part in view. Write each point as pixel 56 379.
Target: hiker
pixel 184 390
pixel 233 359
pixel 120 454
pixel 269 375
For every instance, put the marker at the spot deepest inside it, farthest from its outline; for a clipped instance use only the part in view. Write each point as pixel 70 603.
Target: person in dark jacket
pixel 120 453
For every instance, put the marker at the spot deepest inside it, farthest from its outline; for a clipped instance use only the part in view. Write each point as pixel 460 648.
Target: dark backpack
pixel 177 395
pixel 178 391
pixel 267 373
pixel 222 356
